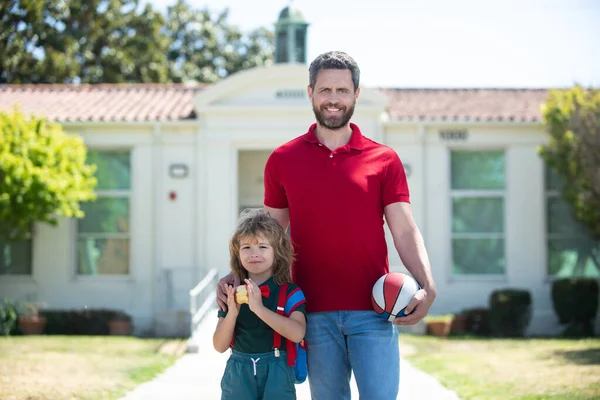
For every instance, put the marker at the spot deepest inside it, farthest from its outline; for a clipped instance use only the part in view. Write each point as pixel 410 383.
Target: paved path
pixel 197 376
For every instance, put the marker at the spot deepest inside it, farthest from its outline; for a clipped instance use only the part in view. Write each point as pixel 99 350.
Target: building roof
pixel 103 102
pixel 173 102
pixel 508 105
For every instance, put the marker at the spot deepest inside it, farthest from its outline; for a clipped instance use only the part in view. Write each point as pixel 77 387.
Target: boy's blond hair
pixel 254 222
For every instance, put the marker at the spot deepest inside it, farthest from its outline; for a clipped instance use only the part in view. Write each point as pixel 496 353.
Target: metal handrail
pixel 205 291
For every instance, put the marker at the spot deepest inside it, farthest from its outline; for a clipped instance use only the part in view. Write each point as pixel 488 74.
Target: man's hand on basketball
pixel 228 280
pixel 417 309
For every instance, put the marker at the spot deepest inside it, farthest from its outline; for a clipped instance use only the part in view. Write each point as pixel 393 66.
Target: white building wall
pixel 406 143
pixel 176 224
pixel 221 201
pixel 239 122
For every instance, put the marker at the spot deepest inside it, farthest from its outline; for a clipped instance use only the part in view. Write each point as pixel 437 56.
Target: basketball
pixel 392 293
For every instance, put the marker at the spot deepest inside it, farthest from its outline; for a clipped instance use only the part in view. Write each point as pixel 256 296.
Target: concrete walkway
pixel 197 376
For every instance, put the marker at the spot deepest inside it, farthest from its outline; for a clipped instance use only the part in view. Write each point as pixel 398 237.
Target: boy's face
pixel 257 255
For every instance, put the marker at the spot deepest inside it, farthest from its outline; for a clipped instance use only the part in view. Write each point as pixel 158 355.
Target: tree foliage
pixel 572 118
pixel 42 174
pixel 113 41
pixel 207 48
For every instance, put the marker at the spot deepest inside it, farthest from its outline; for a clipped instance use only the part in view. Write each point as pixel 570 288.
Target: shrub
pixel 78 322
pixel 575 301
pixel 120 316
pixel 510 312
pixel 478 321
pixel 8 317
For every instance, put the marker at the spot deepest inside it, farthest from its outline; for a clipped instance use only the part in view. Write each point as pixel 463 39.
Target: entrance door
pixel 251 165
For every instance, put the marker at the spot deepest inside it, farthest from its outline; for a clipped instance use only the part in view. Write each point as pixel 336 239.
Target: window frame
pixel 477 193
pixel 107 193
pixel 31 264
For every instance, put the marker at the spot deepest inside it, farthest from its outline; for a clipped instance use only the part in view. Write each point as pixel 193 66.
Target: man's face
pixel 333 98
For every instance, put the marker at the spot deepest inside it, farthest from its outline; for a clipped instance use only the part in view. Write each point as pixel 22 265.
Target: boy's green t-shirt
pixel 252 335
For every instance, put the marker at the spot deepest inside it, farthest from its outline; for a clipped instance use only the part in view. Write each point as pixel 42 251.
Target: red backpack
pixel 296 352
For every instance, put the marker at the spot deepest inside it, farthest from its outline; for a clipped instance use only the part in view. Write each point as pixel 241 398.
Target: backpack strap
pixel 286 305
pixel 281 311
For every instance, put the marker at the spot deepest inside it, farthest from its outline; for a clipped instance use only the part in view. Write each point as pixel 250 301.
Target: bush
pixel 120 316
pixel 8 317
pixel 510 312
pixel 575 301
pixel 478 321
pixel 59 322
pixel 78 322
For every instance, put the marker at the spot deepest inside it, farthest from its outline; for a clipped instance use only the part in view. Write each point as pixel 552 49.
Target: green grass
pixel 77 367
pixel 509 369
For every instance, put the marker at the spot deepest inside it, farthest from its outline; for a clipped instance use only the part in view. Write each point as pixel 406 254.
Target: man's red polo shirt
pixel 336 201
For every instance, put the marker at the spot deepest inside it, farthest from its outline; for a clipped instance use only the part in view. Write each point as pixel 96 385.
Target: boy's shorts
pixel 254 376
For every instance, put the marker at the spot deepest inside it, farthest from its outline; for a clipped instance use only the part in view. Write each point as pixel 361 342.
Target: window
pixel 477 195
pixel 300 44
pixel 281 47
pixel 571 251
pixel 15 257
pixel 103 235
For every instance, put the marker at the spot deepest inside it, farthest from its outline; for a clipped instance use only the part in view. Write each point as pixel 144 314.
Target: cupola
pixel 290 36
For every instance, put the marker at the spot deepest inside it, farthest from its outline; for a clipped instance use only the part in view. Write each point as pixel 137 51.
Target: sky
pixel 444 43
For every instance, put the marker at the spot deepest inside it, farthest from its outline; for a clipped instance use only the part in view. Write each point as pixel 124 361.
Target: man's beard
pixel 333 123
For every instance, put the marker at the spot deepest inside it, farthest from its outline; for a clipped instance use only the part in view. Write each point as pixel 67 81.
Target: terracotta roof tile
pixel 104 102
pixel 159 102
pixel 511 105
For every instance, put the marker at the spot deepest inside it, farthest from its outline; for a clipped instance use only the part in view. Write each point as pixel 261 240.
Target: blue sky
pixel 445 43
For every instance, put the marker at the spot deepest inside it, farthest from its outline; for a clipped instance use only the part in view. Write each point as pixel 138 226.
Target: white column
pixel 221 202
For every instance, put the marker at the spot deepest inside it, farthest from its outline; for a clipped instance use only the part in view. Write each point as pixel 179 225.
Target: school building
pixel 176 164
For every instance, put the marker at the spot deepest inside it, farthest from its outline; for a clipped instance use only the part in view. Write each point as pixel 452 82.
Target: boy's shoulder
pixel 293 286
pixel 295 300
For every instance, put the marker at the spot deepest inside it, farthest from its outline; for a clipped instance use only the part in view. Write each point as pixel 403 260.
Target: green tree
pixel 572 118
pixel 112 41
pixel 20 22
pixel 88 41
pixel 42 174
pixel 206 48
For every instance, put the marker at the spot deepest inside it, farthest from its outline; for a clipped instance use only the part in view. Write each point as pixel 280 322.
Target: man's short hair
pixel 333 60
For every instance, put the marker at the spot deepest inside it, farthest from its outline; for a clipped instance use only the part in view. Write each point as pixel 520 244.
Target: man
pixel 333 187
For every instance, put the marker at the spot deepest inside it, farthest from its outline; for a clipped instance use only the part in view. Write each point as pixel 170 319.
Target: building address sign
pixel 454 135
pixel 290 94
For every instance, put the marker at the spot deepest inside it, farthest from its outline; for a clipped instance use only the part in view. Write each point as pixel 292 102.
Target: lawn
pixel 79 367
pixel 509 369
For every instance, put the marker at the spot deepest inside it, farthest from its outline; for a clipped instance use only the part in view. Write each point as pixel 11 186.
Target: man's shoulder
pixel 291 145
pixel 371 145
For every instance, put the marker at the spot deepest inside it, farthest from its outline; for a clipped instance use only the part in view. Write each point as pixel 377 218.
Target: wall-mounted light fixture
pixel 178 171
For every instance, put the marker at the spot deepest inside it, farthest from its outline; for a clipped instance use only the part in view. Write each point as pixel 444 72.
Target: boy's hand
pixel 254 296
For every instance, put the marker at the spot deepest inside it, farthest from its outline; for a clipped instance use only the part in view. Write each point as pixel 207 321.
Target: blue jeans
pixel 340 342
